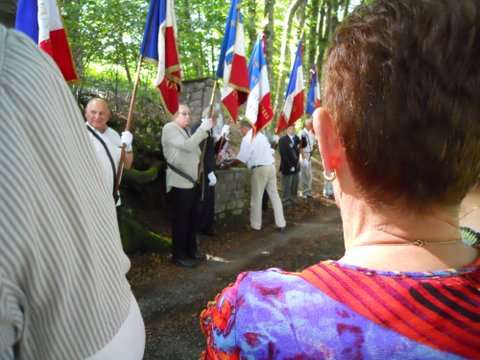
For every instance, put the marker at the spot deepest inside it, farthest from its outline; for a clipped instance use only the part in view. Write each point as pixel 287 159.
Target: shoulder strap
pixel 181 173
pixel 108 154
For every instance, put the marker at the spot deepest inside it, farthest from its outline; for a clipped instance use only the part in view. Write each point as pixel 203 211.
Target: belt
pixel 256 166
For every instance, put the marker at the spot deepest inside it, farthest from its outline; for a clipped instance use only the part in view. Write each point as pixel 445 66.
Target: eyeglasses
pixel 185 113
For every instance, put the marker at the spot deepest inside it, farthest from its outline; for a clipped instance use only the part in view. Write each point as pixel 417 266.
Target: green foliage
pixel 136 236
pixel 105 36
pixel 108 33
pixel 200 31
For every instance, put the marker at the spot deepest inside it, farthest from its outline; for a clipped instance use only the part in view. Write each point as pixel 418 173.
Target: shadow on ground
pixel 171 298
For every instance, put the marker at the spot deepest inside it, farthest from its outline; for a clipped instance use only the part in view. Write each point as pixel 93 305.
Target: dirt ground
pixel 171 298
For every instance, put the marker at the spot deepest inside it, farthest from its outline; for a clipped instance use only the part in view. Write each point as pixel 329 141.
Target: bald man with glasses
pixel 182 153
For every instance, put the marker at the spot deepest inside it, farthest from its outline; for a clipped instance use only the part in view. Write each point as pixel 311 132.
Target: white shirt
pixel 255 152
pixel 310 140
pixel 114 143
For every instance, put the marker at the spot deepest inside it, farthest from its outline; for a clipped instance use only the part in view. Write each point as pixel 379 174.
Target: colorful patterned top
pixel 337 311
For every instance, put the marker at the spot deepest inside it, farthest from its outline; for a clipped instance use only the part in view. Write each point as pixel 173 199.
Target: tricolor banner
pixel 42 22
pixel 159 45
pixel 314 99
pixel 232 65
pixel 294 105
pixel 259 108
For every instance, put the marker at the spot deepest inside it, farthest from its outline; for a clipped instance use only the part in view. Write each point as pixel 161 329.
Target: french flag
pixel 294 105
pixel 42 22
pixel 232 64
pixel 159 45
pixel 314 99
pixel 259 108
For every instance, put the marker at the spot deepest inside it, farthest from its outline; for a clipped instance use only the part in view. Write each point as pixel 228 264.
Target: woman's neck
pixel 366 225
pixel 384 238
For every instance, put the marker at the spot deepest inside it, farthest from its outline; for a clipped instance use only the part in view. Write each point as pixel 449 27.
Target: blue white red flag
pixel 159 45
pixel 314 99
pixel 42 22
pixel 232 65
pixel 259 108
pixel 294 105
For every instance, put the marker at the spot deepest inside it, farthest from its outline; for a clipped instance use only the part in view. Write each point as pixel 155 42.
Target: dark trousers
pixel 206 210
pixel 184 204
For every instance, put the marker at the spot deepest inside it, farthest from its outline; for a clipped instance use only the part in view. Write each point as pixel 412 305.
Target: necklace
pixel 469 211
pixel 418 243
pixel 422 243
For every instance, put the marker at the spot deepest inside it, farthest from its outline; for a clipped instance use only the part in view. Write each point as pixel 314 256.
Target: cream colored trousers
pixel 264 178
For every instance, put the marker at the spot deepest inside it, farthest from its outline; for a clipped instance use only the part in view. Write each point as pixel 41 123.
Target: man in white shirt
pixel 256 153
pixel 307 138
pixel 108 143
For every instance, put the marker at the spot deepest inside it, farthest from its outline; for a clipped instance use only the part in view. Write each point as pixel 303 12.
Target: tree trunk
pixel 269 32
pixel 126 65
pixel 346 4
pixel 249 20
pixel 301 20
pixel 283 70
pixel 322 41
pixel 314 35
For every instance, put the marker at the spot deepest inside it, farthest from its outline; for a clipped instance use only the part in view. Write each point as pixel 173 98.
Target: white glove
pixel 275 138
pixel 127 139
pixel 212 179
pixel 292 169
pixel 225 130
pixel 206 124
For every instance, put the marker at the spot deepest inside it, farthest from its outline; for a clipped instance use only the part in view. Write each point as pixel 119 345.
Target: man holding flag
pixel 232 65
pixel 307 137
pixel 294 105
pixel 307 141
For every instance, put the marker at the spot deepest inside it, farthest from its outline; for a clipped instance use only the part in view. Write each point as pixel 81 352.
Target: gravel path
pixel 171 298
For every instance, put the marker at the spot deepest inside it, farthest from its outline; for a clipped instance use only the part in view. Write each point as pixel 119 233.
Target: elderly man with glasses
pixel 182 154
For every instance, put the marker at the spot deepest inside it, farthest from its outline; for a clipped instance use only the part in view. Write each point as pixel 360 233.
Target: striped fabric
pixel 435 309
pixel 335 311
pixel 63 291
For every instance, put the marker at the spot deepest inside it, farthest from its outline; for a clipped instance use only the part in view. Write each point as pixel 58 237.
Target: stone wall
pixel 232 192
pixel 197 95
pixel 232 195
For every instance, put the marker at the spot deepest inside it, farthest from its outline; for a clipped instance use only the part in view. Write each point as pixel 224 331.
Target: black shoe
pixel 281 229
pixel 184 262
pixel 210 233
pixel 198 255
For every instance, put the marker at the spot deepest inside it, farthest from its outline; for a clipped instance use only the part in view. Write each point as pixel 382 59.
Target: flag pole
pixel 129 122
pixel 204 147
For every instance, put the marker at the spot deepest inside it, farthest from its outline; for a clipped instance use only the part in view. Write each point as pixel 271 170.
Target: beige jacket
pixel 183 152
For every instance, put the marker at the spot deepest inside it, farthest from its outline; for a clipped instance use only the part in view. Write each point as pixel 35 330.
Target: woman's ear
pixel 329 141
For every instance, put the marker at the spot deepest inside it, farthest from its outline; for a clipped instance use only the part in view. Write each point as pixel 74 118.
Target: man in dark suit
pixel 206 205
pixel 288 147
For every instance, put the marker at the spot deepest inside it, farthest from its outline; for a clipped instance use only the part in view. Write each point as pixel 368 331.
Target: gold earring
pixel 329 177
